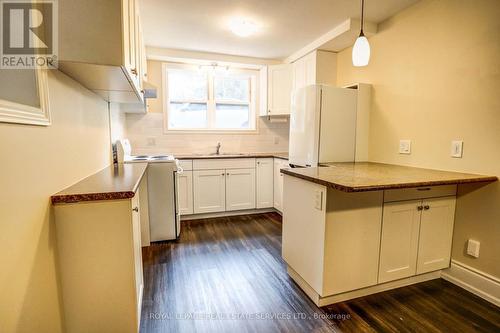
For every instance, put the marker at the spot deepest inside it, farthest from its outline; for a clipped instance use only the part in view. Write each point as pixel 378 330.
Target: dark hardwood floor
pixel 227 275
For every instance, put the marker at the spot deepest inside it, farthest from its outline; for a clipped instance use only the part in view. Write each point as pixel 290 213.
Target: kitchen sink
pixel 222 154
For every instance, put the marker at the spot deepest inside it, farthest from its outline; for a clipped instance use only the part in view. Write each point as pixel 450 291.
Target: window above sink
pixel 209 99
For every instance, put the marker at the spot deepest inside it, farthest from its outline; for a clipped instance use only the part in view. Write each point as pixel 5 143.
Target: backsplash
pixel 147 136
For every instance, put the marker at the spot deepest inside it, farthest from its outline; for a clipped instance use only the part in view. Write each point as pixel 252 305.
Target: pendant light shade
pixel 361 52
pixel 361 49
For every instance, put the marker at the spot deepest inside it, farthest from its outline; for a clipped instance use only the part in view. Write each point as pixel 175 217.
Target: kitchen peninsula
pixel 354 229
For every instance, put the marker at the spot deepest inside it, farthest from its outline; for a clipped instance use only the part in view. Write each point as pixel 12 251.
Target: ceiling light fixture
pixel 361 49
pixel 242 27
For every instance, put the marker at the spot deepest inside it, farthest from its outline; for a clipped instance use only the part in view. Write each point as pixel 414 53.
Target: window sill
pixel 209 131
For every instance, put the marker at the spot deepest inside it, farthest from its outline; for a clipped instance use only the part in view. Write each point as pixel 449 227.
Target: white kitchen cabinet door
pixel 136 235
pixel 185 192
pixel 304 71
pixel 436 232
pixel 240 189
pixel 299 75
pixel 209 187
pixel 265 184
pixel 399 243
pixel 279 89
pixel 278 183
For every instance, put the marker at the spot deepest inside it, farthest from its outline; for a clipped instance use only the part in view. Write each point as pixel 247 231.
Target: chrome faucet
pixel 218 148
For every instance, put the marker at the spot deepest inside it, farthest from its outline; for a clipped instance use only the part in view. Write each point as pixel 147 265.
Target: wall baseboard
pixel 477 282
pixel 231 213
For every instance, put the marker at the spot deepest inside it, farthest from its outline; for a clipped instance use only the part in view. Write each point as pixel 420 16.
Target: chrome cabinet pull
pixel 420 207
pixel 426 207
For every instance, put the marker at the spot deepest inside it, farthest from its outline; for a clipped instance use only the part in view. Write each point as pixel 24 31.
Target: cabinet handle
pixel 420 207
pixel 134 71
pixel 424 189
pixel 136 209
pixel 426 207
pixel 222 174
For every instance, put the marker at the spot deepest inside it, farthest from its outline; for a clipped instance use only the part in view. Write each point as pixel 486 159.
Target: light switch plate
pixel 318 200
pixel 405 147
pixel 457 148
pixel 473 248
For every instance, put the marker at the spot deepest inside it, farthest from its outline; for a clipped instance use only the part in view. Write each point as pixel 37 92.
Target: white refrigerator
pixel 322 125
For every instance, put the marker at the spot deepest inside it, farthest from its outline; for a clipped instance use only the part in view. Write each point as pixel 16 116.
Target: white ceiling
pixel 285 25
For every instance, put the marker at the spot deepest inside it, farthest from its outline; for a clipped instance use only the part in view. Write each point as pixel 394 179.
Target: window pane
pixel 232 116
pixel 185 85
pixel 232 88
pixel 187 115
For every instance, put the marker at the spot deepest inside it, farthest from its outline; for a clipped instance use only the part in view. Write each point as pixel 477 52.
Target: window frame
pixel 212 101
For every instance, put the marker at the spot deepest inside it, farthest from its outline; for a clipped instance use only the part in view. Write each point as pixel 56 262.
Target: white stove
pixel 163 202
pixel 147 158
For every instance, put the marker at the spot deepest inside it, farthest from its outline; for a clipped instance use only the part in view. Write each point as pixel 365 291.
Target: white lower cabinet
pixel 416 237
pixel 278 182
pixel 265 184
pixel 240 189
pixel 399 243
pixel 219 185
pixel 185 192
pixel 209 187
pixel 100 260
pixel 436 233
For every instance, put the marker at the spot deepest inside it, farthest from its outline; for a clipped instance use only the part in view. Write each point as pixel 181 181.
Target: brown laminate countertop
pixel 368 176
pixel 111 183
pixel 283 156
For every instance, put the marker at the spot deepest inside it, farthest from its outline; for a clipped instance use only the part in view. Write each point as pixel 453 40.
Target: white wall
pixel 272 137
pixel 435 73
pixel 36 162
pixel 117 122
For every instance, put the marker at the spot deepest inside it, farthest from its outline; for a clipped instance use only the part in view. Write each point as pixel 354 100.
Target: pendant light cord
pixel 362 17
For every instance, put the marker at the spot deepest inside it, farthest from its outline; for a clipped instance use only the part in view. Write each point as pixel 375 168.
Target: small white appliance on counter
pixel 322 126
pixel 163 170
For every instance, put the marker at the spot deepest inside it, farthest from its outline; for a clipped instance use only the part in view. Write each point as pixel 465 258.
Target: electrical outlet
pixel 405 147
pixel 151 142
pixel 457 148
pixel 318 200
pixel 473 248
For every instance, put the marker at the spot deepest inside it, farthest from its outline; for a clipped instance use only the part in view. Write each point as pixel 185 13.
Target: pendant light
pixel 361 49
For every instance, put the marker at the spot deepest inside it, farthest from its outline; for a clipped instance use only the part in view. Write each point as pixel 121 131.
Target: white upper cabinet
pixel 209 191
pixel 279 89
pixel 101 46
pixel 265 183
pixel 436 233
pixel 240 189
pixel 317 67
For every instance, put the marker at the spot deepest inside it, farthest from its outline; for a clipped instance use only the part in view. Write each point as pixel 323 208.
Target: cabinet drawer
pixel 419 193
pixel 186 165
pixel 230 163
